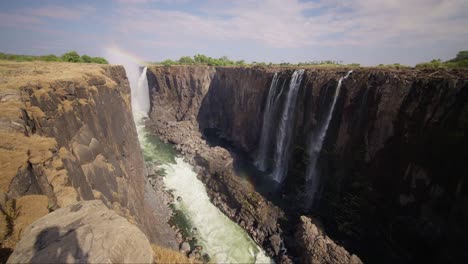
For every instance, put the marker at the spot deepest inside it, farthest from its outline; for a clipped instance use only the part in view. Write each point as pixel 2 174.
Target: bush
pixel 50 57
pixel 461 56
pixel 460 61
pixel 86 59
pixel 168 62
pixel 71 56
pixel 99 60
pixel 186 60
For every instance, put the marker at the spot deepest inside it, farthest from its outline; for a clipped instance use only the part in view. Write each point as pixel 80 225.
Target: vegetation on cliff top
pixel 460 61
pixel 71 56
pixel 201 59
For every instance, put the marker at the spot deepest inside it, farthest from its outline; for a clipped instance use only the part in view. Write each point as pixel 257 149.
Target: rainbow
pixel 116 55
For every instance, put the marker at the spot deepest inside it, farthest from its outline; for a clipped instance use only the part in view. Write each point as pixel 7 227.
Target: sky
pixel 368 32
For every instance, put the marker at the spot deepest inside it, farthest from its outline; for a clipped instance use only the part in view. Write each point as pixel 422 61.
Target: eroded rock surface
pixel 85 232
pixel 318 248
pixel 67 132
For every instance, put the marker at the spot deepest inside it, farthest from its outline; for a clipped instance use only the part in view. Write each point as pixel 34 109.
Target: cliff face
pixel 69 135
pixel 391 167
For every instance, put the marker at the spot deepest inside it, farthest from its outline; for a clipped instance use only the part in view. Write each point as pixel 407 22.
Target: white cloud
pixel 285 23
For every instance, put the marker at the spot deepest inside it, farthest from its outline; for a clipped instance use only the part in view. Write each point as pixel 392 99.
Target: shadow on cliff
pixel 243 167
pixel 52 246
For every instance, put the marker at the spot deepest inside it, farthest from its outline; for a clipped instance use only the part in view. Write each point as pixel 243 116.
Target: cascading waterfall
pixel 221 238
pixel 315 147
pixel 284 135
pixel 268 115
pixel 140 97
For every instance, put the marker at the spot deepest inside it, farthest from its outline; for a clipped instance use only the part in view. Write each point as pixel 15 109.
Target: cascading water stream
pixel 315 147
pixel 222 239
pixel 284 135
pixel 268 115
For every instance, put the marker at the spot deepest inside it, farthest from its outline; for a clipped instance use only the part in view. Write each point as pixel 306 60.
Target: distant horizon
pixel 367 32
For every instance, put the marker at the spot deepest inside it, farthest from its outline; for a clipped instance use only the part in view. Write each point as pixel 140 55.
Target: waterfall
pixel 315 147
pixel 268 115
pixel 140 96
pixel 284 135
pixel 221 238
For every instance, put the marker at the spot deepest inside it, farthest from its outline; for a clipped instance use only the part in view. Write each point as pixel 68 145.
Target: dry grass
pixel 17 149
pixel 14 75
pixel 164 255
pixel 28 209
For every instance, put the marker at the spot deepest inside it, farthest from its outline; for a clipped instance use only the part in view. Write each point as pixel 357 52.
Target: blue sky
pixel 362 31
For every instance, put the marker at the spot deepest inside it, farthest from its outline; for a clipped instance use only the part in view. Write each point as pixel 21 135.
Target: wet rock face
pixel 391 163
pixel 85 232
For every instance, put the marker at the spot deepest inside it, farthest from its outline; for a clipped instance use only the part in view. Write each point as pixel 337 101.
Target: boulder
pixel 185 247
pixel 85 232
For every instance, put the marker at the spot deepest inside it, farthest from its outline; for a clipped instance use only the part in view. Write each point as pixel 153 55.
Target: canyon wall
pixel 392 185
pixel 68 134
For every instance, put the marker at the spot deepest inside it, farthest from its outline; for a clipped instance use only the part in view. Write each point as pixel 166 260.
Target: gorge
pixel 390 166
pixel 302 163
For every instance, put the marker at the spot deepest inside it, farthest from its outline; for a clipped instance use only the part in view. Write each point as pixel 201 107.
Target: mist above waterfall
pixel 138 81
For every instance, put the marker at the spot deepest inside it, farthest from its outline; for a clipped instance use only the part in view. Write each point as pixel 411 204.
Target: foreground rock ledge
pixel 86 232
pixel 317 248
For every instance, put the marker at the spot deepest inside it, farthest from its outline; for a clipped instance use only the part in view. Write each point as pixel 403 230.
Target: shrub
pixel 86 59
pixel 71 56
pixel 99 60
pixel 186 60
pixel 50 57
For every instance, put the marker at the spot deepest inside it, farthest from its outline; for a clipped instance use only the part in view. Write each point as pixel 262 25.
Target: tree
pixel 168 62
pixel 186 60
pixel 202 59
pixel 99 60
pixel 240 63
pixel 71 56
pixel 462 55
pixel 86 59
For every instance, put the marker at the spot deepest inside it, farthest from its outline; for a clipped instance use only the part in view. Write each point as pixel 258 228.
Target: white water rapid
pixel 284 135
pixel 315 147
pixel 222 239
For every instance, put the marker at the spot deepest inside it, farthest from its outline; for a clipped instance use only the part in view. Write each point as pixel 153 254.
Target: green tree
pixel 71 56
pixel 461 55
pixel 86 59
pixel 240 63
pixel 99 60
pixel 186 60
pixel 201 59
pixel 168 62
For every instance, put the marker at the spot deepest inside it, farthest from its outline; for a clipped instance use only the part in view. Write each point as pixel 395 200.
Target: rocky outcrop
pixel 67 132
pixel 394 137
pixel 318 248
pixel 85 232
